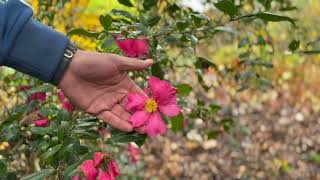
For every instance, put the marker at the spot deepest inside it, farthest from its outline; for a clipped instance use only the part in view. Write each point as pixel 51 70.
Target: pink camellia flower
pixel 41 122
pixel 65 103
pixel 147 109
pixel 98 158
pixel 76 177
pixel 40 96
pixel 89 170
pixel 134 153
pixel 103 175
pixel 133 47
pixel 113 169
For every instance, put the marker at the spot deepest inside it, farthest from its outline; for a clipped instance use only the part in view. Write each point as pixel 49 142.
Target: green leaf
pixel 213 134
pixel 51 151
pixel 83 32
pixel 41 130
pixel 148 4
pixel 105 21
pixel 184 89
pixel 314 157
pixel 3 167
pixel 123 13
pixel 266 16
pixel 177 123
pixel 294 45
pixel 182 25
pixel 227 7
pixel 227 124
pixel 39 175
pixel 194 40
pixel 154 20
pixel 126 3
pixel 42 88
pixel 124 137
pixel 203 63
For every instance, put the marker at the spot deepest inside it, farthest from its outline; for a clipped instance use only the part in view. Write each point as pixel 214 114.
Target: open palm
pixel 99 84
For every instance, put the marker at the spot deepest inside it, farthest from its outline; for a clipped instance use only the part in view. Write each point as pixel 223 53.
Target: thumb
pixel 127 64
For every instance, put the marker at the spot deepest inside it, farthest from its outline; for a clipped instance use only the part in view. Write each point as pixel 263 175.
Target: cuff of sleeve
pixel 38 51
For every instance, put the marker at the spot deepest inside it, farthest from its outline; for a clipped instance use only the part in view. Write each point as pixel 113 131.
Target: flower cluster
pixel 147 109
pixel 92 169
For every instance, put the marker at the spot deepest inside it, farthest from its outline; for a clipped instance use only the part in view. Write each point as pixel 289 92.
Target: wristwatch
pixel 71 49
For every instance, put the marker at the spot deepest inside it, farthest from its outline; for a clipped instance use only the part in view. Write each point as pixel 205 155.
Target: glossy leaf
pixel 126 3
pixel 227 7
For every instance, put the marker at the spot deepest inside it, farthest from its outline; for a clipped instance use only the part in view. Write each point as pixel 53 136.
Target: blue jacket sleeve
pixel 27 45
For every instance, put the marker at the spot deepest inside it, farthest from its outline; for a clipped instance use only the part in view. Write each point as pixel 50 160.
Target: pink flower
pixel 89 169
pixel 98 158
pixel 76 177
pixel 103 175
pixel 133 47
pixel 61 96
pixel 65 103
pixel 41 96
pixel 147 109
pixel 67 106
pixel 113 169
pixel 42 121
pixel 24 88
pixel 134 153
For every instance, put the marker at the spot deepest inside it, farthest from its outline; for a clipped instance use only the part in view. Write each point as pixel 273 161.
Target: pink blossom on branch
pixel 161 98
pixel 89 170
pixel 133 47
pixel 103 175
pixel 65 104
pixel 113 169
pixel 40 96
pixel 41 122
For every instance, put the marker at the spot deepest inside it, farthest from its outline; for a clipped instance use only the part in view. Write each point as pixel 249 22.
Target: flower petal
pixel 155 125
pixel 89 170
pixel 170 109
pixel 141 47
pixel 139 118
pixel 61 95
pixel 162 91
pixel 135 101
pixel 41 123
pixel 76 177
pixel 134 153
pixel 67 106
pixel 103 175
pixel 113 169
pixel 98 158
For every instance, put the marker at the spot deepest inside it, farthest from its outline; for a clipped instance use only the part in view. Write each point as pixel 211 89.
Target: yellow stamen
pixel 151 106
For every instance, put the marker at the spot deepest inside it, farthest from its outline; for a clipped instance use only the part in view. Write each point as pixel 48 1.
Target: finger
pixel 115 121
pixel 120 112
pixel 131 64
pixel 141 130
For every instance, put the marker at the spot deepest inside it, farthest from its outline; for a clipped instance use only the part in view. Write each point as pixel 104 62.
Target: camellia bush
pixel 59 141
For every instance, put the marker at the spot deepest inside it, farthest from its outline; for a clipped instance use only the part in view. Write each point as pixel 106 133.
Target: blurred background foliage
pixel 249 88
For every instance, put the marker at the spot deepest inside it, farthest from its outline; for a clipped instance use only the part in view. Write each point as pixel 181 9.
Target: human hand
pixel 98 83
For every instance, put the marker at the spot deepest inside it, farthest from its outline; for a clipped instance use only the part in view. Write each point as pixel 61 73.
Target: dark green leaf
pixel 124 137
pixel 123 13
pixel 182 25
pixel 105 21
pixel 3 167
pixel 156 70
pixel 184 89
pixel 148 4
pixel 126 3
pixel 177 123
pixel 51 151
pixel 227 7
pixel 152 21
pixel 39 175
pixel 266 16
pixel 203 63
pixel 294 45
pixel 83 32
pixel 227 124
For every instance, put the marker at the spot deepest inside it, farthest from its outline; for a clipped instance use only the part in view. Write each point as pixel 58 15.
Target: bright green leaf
pixel 105 21
pixel 177 122
pixel 184 89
